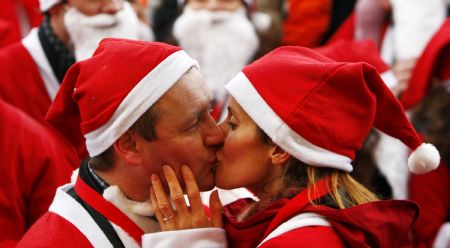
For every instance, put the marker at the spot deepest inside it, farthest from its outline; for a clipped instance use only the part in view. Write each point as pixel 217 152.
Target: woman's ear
pixel 278 155
pixel 126 148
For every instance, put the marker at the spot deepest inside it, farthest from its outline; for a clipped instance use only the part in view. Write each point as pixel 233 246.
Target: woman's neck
pixel 266 199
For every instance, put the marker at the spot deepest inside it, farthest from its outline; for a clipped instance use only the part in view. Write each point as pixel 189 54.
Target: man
pixel 34 164
pixel 33 69
pixel 136 106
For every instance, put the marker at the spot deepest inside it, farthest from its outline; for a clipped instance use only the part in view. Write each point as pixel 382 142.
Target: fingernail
pixel 154 178
pixel 166 168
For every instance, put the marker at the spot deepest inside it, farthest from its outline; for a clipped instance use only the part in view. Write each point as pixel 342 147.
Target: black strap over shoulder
pixel 101 221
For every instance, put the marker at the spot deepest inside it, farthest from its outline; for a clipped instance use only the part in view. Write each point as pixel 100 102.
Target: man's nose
pixel 215 134
pixel 112 6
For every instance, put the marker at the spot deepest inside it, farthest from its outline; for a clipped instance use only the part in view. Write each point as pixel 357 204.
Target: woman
pixel 295 120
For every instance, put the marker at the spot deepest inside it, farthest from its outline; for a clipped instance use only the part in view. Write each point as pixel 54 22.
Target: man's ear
pixel 127 149
pixel 278 155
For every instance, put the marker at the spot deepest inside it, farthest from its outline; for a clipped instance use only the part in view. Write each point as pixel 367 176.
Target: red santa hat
pixel 102 97
pixel 433 62
pixel 45 5
pixel 320 111
pixel 359 51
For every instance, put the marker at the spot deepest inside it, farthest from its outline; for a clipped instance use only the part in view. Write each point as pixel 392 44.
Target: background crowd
pixel 407 41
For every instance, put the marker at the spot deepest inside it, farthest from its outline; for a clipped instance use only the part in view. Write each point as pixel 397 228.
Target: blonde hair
pixel 344 190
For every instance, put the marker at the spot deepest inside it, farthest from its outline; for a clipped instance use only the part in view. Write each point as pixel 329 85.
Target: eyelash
pixel 231 125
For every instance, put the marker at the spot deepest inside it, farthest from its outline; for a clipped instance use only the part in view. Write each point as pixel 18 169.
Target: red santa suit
pixel 34 164
pixel 16 18
pixel 355 227
pixel 294 222
pixel 28 81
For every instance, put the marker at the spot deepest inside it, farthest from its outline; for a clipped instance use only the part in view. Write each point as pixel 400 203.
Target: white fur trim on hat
pixel 246 95
pixel 47 4
pixel 424 159
pixel 139 100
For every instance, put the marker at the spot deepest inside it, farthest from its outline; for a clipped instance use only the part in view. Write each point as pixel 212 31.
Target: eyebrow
pixel 194 116
pixel 231 110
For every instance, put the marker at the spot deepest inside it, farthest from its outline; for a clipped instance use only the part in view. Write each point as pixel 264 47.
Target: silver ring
pixel 165 219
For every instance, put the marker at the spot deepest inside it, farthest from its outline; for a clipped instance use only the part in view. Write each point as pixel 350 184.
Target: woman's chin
pixel 224 184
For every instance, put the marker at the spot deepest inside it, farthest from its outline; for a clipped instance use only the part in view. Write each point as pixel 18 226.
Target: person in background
pixel 34 163
pixel 221 37
pixel 429 101
pixel 32 69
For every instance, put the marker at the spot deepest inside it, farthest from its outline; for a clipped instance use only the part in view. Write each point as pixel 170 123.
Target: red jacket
pixel 431 192
pixel 376 224
pixel 34 164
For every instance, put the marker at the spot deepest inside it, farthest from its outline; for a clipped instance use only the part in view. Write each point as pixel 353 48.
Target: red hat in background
pixel 320 111
pixel 434 61
pixel 102 97
pixel 359 51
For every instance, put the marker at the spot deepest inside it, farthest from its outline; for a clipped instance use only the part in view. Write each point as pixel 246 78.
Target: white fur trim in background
pixel 389 79
pixel 255 106
pixel 391 158
pixel 424 159
pixel 86 32
pixel 443 236
pixel 33 45
pixel 139 100
pixel 47 4
pixel 416 21
pixel 201 32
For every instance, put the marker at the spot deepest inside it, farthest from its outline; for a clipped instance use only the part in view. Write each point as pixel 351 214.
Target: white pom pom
pixel 424 159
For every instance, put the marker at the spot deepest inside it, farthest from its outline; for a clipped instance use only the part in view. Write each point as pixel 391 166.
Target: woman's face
pixel 244 160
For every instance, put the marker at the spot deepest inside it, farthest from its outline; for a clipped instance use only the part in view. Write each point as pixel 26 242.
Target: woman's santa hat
pixel 320 111
pixel 102 97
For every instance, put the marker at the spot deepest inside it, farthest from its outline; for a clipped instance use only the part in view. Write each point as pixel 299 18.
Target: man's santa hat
pixel 320 111
pixel 102 97
pixel 359 51
pixel 45 5
pixel 433 62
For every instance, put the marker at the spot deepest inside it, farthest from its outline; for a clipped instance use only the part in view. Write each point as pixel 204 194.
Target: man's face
pixel 216 5
pixel 185 131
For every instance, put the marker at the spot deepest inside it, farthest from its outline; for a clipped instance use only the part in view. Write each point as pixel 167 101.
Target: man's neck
pixel 57 24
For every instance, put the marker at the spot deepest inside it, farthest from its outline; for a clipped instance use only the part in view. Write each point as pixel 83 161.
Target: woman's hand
pixel 184 217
